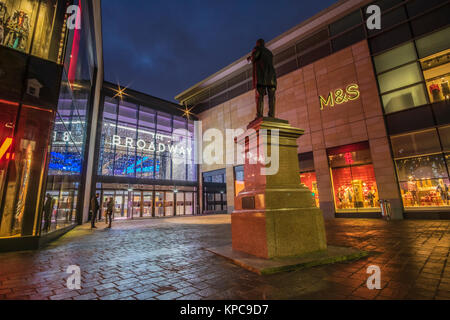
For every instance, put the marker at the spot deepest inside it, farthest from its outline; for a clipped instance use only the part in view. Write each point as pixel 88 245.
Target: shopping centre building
pixel 374 104
pixel 66 135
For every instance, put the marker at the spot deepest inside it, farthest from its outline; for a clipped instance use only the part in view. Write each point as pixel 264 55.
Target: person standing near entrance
pixel 109 211
pixel 94 207
pixel 48 205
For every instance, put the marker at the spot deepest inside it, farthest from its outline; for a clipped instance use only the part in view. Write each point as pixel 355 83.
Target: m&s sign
pixel 340 96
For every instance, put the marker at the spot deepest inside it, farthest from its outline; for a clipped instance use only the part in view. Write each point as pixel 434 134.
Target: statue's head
pixel 260 43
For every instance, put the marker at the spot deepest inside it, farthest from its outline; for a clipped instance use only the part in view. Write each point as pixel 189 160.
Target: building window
pixel 308 175
pixel 310 181
pixel 131 147
pixel 239 183
pixel 214 191
pixel 354 185
pixel 422 168
pixel 408 79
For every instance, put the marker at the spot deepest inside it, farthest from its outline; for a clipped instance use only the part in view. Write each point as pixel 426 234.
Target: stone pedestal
pixel 275 215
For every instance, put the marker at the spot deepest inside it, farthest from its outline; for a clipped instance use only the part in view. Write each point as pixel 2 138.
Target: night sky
pixel 164 47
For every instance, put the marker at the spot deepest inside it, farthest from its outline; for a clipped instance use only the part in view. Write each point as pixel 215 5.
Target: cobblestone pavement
pixel 165 259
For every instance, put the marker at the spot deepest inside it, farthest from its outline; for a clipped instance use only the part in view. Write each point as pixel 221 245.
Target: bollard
pixel 385 209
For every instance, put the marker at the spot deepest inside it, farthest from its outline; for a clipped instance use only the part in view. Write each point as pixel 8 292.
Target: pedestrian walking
pixel 109 211
pixel 48 206
pixel 94 208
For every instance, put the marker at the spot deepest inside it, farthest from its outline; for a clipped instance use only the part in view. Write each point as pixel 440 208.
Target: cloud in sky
pixel 164 47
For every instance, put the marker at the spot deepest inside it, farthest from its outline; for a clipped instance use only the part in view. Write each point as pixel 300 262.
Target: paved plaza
pixel 166 259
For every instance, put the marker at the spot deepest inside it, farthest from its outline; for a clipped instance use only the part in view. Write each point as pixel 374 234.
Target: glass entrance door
pixel 169 205
pixel 189 202
pixel 159 204
pixel 137 212
pixel 180 204
pixel 147 204
pixel 120 205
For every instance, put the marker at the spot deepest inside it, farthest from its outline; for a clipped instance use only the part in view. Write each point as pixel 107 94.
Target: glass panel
pixel 344 156
pixel 395 57
pixel 400 77
pixel 348 38
pixel 30 149
pixel 189 202
pixel 137 212
pixel 180 203
pixel 345 23
pixel 416 7
pixel 404 98
pixel 17 20
pixel 431 22
pixel 355 188
pixel 425 192
pixel 433 43
pixel 422 168
pixel 12 71
pixel 444 133
pixel 437 75
pixel 48 42
pixel 389 19
pixel 310 181
pixel 353 178
pixel 390 39
pixel 239 183
pixel 120 203
pixel 148 203
pixel 8 113
pixel 159 204
pixel 169 204
pixel 415 143
pixel 164 122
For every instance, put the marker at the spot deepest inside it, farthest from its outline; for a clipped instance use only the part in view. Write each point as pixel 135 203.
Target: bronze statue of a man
pixel 264 77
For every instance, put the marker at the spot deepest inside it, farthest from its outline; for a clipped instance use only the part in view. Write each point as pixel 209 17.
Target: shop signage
pixel 340 96
pixel 5 146
pixel 143 145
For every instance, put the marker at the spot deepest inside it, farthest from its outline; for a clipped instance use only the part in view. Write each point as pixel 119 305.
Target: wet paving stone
pixel 165 259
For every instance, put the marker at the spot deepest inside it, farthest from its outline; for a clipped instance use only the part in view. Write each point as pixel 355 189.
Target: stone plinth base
pixel 263 266
pixel 278 232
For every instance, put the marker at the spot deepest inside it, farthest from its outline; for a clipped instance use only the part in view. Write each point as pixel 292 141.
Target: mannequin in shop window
pixel 442 190
pixel 3 15
pixel 435 91
pixel 17 30
pixel 412 189
pixel 445 89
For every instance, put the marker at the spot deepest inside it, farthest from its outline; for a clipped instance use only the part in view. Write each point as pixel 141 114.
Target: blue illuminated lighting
pixel 65 162
pixel 145 168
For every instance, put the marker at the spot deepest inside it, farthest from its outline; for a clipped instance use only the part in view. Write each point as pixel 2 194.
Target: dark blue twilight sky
pixel 162 47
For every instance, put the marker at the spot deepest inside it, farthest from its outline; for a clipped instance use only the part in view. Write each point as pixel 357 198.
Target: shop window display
pixel 309 180
pixel 422 169
pixel 25 170
pixel 17 19
pixel 353 177
pixel 436 71
pixel 424 181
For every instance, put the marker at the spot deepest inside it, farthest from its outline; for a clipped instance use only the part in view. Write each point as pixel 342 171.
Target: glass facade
pixel 68 139
pixel 421 159
pixel 33 39
pixel 353 177
pixel 140 142
pixel 215 191
pixel 415 73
